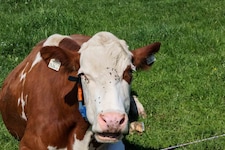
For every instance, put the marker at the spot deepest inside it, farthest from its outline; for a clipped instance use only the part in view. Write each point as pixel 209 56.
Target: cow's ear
pixel 65 54
pixel 143 57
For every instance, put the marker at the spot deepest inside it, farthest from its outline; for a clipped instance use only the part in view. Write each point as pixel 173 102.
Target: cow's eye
pixel 127 75
pixel 85 78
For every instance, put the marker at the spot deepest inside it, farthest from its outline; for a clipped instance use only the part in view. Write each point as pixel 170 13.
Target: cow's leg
pixel 136 110
pixel 140 108
pixel 84 143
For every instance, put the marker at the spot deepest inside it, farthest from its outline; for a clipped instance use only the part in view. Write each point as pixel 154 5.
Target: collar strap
pixel 76 79
pixel 82 107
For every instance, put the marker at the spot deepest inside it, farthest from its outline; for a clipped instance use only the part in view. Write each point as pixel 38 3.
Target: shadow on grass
pixel 130 146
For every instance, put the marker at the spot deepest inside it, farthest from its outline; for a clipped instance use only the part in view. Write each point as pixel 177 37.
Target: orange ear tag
pixel 79 93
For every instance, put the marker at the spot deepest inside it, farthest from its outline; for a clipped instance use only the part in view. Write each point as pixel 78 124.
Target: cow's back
pixel 10 94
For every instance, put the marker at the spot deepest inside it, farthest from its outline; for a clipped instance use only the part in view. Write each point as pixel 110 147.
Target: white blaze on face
pixel 103 61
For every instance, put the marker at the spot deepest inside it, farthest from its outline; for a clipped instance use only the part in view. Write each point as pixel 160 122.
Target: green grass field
pixel 183 93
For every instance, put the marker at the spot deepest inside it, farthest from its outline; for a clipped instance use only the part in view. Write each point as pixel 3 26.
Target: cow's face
pixel 106 64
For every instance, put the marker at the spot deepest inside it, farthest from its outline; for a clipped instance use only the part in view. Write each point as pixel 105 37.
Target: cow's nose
pixel 112 122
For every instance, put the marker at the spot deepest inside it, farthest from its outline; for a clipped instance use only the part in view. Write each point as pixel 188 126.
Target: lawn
pixel 183 93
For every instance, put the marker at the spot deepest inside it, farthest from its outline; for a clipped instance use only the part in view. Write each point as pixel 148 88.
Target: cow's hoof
pixel 137 127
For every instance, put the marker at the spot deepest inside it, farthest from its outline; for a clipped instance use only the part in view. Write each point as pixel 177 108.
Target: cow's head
pixel 106 66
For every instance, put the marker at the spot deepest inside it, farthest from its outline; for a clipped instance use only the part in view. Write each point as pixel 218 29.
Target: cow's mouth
pixel 108 137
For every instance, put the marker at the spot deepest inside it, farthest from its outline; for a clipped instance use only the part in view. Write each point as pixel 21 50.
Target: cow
pixel 73 92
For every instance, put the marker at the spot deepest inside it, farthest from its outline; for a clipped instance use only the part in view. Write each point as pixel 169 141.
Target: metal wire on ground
pixel 194 142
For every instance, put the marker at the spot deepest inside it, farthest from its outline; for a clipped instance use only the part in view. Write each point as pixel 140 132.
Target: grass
pixel 183 93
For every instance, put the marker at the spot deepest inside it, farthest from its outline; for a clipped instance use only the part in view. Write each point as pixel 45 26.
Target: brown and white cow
pixel 39 105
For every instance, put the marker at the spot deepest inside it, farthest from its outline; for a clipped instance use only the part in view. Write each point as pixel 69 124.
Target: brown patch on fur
pixel 69 44
pixel 68 59
pixel 127 74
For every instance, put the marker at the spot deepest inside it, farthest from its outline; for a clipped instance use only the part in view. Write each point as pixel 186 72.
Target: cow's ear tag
pixel 54 64
pixel 150 60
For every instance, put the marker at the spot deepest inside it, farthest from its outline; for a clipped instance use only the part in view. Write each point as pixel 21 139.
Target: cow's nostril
pixel 102 117
pixel 122 120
